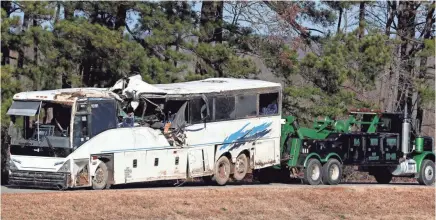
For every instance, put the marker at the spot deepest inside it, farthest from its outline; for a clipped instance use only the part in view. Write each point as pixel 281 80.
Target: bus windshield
pixel 38 124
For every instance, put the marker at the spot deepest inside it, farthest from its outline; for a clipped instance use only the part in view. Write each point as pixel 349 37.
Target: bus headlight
pixel 66 167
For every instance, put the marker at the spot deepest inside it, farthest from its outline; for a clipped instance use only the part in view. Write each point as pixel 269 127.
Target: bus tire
pixel 382 175
pixel 100 180
pixel 241 167
pixel 222 170
pixel 426 175
pixel 313 172
pixel 332 172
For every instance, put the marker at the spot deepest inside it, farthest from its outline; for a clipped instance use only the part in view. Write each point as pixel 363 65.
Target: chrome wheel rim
pixel 428 173
pixel 334 172
pixel 222 171
pixel 315 172
pixel 240 166
pixel 99 176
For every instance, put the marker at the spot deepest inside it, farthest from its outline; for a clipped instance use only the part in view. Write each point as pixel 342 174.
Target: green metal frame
pixel 321 129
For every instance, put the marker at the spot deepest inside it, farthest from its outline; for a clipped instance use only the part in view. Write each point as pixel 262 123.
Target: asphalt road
pixel 193 186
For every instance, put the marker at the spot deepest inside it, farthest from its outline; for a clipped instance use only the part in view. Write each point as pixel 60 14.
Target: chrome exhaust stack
pixel 405 135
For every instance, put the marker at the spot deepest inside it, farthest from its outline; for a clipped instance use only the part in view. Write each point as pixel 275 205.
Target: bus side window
pixel 268 104
pixel 246 106
pixel 195 110
pixel 225 108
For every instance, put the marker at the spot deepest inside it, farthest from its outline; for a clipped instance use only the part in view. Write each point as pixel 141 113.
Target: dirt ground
pixel 361 202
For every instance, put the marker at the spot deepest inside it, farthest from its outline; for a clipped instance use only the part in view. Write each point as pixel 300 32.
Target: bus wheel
pixel 222 170
pixel 426 176
pixel 332 172
pixel 313 172
pixel 100 180
pixel 382 175
pixel 241 167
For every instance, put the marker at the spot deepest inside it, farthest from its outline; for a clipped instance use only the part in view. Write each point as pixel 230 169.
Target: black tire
pixel 426 175
pixel 222 171
pixel 208 180
pixel 313 172
pixel 263 176
pixel 100 180
pixel 382 175
pixel 241 167
pixel 332 172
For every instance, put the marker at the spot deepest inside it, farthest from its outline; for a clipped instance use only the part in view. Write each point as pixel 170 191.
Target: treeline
pixel 330 56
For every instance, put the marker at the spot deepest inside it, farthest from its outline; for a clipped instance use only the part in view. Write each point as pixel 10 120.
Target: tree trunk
pixel 392 7
pixel 341 10
pixel 37 78
pixel 5 50
pixel 57 13
pixel 120 20
pixel 21 54
pixel 361 19
pixel 211 28
pixel 421 66
pixel 406 32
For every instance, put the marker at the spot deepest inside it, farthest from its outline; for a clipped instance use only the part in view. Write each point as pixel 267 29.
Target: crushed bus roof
pixel 215 85
pixel 135 86
pixel 65 96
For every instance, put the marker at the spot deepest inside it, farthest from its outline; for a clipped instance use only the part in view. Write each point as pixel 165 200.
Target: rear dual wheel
pixel 222 170
pixel 330 173
pixel 313 172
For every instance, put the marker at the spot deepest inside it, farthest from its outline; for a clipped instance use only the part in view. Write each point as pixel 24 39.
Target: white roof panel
pixel 62 95
pixel 215 85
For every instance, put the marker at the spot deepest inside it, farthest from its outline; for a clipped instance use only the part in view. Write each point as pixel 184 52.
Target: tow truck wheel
pixel 100 180
pixel 241 167
pixel 426 175
pixel 382 175
pixel 332 172
pixel 222 171
pixel 313 172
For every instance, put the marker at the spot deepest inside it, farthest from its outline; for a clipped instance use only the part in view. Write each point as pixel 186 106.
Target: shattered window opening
pixel 197 110
pixel 225 108
pixel 268 104
pixel 54 124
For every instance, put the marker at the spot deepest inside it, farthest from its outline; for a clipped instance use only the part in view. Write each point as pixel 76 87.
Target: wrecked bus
pixel 216 129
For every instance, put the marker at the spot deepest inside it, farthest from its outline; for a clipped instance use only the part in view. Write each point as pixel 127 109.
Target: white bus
pixel 136 132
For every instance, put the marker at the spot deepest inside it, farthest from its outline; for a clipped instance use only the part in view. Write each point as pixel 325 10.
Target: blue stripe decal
pixel 241 136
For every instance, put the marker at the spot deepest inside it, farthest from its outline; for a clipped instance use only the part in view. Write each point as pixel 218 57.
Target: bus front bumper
pixel 38 179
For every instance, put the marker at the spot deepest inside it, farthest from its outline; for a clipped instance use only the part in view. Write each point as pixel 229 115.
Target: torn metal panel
pixel 133 87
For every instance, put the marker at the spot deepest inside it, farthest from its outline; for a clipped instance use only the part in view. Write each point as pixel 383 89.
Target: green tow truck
pixel 380 143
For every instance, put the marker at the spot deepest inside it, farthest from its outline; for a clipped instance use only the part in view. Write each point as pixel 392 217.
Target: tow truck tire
pixel 313 172
pixel 241 167
pixel 263 176
pixel 222 170
pixel 426 175
pixel 382 175
pixel 100 180
pixel 332 172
